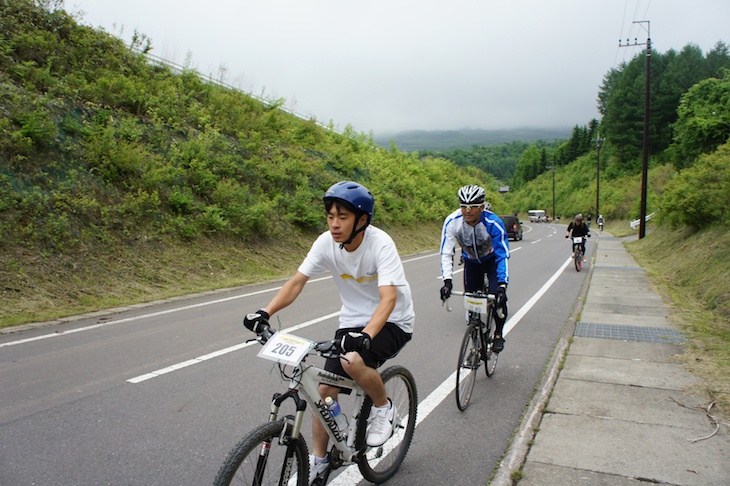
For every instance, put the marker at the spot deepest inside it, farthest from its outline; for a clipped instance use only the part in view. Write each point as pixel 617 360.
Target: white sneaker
pixel 315 469
pixel 380 425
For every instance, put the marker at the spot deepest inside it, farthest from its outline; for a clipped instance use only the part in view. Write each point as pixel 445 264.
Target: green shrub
pixel 700 195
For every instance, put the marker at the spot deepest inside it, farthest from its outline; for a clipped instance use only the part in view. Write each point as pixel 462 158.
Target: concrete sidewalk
pixel 617 413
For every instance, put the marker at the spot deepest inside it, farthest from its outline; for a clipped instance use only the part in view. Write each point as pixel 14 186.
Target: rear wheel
pixel 490 357
pixel 378 464
pixel 470 356
pixel 260 457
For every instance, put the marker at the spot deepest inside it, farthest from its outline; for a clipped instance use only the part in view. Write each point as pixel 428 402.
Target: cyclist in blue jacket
pixel 484 249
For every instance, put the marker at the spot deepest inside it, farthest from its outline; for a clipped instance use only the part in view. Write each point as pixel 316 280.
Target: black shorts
pixel 386 345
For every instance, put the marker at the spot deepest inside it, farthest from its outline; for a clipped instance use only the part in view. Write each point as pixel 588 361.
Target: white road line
pixel 511 323
pixel 351 475
pixel 169 311
pixel 221 352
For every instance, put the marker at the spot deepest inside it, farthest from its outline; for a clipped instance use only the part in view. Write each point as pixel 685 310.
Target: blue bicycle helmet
pixel 355 196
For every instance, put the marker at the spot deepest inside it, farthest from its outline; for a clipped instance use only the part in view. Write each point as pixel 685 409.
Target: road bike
pixel 476 345
pixel 276 453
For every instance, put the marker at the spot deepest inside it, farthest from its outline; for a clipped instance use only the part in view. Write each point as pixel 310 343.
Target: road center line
pixel 351 475
pixel 220 352
pixel 169 311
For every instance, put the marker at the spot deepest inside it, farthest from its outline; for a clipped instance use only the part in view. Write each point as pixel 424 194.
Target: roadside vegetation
pixel 123 181
pixel 689 267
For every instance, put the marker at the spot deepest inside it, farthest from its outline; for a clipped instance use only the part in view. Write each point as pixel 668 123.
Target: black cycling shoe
pixel 498 344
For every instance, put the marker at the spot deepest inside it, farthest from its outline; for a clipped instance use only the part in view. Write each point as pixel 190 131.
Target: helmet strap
pixel 355 232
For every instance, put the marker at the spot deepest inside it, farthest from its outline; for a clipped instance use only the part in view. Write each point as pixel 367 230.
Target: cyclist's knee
pixel 352 363
pixel 328 391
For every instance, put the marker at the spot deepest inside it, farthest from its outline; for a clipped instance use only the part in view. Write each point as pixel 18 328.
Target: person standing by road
pixel 376 318
pixel 485 251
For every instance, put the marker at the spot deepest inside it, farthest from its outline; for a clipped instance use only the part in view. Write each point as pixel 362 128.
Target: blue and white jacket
pixel 480 243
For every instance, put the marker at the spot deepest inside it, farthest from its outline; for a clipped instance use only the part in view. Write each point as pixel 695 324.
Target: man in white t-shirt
pixel 376 318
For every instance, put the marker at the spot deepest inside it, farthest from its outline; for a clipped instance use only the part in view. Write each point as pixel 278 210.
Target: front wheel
pixel 470 355
pixel 578 259
pixel 378 464
pixel 260 458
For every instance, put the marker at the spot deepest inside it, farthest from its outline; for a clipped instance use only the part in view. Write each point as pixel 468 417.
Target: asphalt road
pixel 157 395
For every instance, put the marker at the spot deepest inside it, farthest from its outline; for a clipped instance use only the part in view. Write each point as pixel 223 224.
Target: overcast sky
pixel 392 65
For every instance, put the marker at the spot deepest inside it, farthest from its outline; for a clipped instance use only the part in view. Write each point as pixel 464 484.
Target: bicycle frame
pixel 305 380
pixel 578 242
pixel 250 459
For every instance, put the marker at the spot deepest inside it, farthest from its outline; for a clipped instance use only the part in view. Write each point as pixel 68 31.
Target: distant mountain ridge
pixel 445 140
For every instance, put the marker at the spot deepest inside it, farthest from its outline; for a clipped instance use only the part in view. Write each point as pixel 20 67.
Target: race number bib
pixel 285 349
pixel 578 239
pixel 475 304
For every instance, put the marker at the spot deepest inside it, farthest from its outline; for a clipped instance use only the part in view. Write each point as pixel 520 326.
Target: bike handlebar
pixel 326 349
pixel 445 302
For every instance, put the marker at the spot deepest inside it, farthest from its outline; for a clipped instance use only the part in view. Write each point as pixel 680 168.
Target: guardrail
pixel 636 222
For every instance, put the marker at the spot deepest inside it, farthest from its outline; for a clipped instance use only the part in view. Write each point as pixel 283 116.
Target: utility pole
pixel 554 215
pixel 645 156
pixel 552 168
pixel 599 142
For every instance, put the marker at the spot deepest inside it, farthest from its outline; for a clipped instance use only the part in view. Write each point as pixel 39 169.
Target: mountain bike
pixel 476 345
pixel 276 453
pixel 578 252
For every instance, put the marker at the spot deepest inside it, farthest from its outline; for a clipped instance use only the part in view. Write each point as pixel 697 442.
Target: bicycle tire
pixel 489 356
pixel 578 260
pixel 378 464
pixel 241 464
pixel 470 354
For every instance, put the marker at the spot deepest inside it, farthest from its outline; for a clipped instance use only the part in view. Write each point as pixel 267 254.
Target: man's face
pixel 341 223
pixel 471 213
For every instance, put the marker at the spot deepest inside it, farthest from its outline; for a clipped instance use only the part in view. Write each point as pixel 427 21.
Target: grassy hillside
pixel 122 180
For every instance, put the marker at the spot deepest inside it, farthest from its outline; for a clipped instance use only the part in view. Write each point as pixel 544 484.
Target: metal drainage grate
pixel 629 333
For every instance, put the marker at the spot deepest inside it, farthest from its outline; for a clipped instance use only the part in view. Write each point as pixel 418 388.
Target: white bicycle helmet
pixel 471 195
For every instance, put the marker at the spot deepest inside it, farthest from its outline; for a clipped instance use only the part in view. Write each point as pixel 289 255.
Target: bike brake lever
pixel 445 302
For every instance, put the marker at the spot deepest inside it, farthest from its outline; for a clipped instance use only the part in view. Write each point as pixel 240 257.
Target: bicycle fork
pixel 290 434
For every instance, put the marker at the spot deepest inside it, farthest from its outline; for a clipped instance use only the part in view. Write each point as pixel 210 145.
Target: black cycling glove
pixel 500 301
pixel 354 341
pixel 446 289
pixel 257 322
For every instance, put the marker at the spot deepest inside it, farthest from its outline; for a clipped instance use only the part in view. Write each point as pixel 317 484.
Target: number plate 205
pixel 285 348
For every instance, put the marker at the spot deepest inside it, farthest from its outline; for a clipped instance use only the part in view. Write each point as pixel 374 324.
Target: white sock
pixel 319 460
